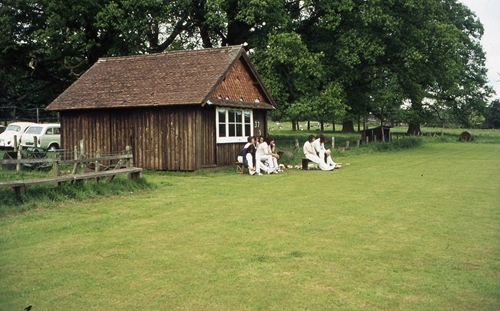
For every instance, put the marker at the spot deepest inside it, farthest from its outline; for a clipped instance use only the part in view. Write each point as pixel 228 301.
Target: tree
pixel 493 116
pixel 370 54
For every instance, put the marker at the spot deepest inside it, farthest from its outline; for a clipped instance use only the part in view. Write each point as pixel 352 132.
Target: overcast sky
pixel 488 12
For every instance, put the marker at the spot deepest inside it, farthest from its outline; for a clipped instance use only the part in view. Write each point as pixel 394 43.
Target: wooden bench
pixel 240 167
pixel 305 163
pixel 19 186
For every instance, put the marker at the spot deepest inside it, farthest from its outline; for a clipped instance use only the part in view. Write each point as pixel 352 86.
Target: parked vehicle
pixel 2 128
pixel 13 129
pixel 48 136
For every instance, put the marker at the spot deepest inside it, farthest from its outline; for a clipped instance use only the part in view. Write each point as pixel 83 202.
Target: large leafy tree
pixel 493 116
pixel 321 59
pixel 46 44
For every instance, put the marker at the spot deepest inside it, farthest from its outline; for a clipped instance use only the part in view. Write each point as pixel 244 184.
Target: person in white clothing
pixel 242 153
pixel 263 155
pixel 311 154
pixel 254 165
pixel 322 152
pixel 276 156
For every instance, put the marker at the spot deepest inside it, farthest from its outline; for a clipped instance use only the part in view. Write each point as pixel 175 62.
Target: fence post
pixel 130 160
pixel 82 155
pixel 57 170
pixel 357 143
pixel 333 142
pixel 19 155
pixel 75 166
pixel 97 164
pixel 347 144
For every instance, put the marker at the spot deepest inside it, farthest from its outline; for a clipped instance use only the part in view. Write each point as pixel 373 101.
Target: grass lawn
pixel 408 230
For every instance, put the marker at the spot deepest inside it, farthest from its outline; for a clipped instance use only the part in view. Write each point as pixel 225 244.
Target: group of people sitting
pixel 259 154
pixel 315 151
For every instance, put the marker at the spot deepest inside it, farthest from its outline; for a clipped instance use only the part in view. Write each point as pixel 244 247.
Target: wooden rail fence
pixel 84 168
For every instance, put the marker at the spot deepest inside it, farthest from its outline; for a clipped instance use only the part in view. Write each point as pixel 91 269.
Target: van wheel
pixel 53 147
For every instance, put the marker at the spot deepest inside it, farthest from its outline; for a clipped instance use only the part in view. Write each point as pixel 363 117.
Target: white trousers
pixel 261 159
pixel 328 161
pixel 321 163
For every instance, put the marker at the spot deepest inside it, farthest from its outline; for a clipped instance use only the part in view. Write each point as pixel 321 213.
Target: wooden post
pixel 82 155
pixel 19 155
pixel 75 166
pixel 57 170
pixel 333 142
pixel 358 142
pixel 130 161
pixel 347 144
pixel 97 165
pixel 367 139
pixel 297 147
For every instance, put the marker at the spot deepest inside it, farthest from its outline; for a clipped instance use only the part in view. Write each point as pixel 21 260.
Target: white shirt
pixel 308 148
pixel 263 149
pixel 318 146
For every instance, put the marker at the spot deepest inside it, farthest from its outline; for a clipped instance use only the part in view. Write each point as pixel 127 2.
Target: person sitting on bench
pixel 243 152
pixel 322 152
pixel 310 154
pixel 254 165
pixel 264 155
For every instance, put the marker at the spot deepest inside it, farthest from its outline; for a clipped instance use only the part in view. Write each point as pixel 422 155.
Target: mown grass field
pixel 406 230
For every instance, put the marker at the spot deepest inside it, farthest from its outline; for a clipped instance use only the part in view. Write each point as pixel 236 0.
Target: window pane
pixel 247 116
pixel 222 115
pixel 239 130
pixel 222 130
pixel 232 131
pixel 231 115
pixel 239 118
pixel 247 130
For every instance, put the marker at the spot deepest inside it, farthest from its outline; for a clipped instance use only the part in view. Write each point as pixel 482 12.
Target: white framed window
pixel 233 125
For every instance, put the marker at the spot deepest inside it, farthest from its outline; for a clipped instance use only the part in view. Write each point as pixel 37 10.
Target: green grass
pixel 405 230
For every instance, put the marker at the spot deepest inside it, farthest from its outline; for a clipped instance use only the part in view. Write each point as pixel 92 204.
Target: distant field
pixel 405 230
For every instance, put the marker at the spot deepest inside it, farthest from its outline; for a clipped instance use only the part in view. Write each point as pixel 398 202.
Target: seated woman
pixel 263 155
pixel 254 165
pixel 310 153
pixel 275 156
pixel 322 152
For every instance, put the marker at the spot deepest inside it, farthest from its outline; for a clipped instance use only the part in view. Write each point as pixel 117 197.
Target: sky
pixel 488 12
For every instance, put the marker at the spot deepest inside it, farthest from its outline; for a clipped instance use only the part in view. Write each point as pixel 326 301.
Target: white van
pixel 13 129
pixel 48 136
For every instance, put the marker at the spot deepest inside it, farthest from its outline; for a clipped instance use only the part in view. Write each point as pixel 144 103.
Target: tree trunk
pixel 294 125
pixel 322 124
pixel 414 129
pixel 347 126
pixel 308 125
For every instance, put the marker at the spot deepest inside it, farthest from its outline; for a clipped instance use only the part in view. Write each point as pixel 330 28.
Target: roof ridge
pixel 163 54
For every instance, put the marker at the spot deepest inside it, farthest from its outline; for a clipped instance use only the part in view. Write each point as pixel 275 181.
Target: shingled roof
pixel 163 79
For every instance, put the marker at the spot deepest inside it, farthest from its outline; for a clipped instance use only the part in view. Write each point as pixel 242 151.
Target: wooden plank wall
pixel 162 138
pixel 208 141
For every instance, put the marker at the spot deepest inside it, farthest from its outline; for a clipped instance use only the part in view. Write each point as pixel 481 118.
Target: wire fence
pixel 38 115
